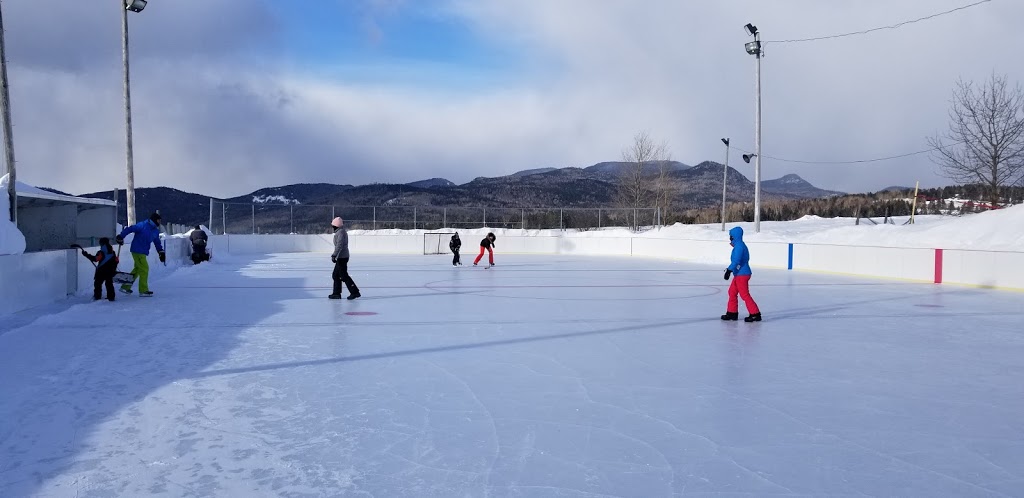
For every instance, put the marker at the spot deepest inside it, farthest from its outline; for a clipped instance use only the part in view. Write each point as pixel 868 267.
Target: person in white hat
pixel 340 260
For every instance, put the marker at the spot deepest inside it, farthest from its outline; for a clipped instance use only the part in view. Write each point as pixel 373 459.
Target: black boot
pixel 756 317
pixel 354 295
pixel 334 296
pixel 731 316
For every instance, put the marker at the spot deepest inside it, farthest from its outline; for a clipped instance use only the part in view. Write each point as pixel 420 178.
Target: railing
pixel 244 218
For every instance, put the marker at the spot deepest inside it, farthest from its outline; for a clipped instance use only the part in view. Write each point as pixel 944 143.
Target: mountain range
pixel 593 186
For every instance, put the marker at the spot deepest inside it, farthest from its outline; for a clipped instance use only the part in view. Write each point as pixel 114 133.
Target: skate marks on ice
pixel 530 389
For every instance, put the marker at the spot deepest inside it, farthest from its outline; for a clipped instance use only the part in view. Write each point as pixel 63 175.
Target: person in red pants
pixel 486 245
pixel 740 267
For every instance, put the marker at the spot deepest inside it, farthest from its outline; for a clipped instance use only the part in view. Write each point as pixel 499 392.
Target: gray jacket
pixel 340 243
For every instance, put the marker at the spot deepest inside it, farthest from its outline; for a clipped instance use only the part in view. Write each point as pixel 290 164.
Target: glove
pixel 728 273
pixel 86 254
pixel 120 241
pixel 163 257
pixel 334 259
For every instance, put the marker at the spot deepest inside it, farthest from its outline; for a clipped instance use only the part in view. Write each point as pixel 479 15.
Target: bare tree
pixel 985 141
pixel 644 182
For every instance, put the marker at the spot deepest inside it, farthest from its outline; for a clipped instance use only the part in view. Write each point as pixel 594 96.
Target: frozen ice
pixel 543 376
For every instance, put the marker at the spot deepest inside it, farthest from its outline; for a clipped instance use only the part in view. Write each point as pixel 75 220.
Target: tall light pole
pixel 134 6
pixel 725 177
pixel 5 110
pixel 754 48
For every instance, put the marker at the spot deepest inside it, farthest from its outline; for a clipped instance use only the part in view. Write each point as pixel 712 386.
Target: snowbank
pixel 992 230
pixel 12 241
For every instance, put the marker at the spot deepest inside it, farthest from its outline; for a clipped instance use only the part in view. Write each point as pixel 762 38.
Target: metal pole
pixel 561 224
pixel 5 110
pixel 253 218
pixel 635 226
pixel 116 204
pixel 291 218
pixel 224 217
pixel 129 160
pixel 210 226
pixel 725 177
pixel 757 141
pixel 444 221
pixel 599 218
pixel 374 217
pixel 414 217
pixel 485 216
pixel 523 214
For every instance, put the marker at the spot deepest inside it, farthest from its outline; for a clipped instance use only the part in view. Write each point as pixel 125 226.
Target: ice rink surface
pixel 544 376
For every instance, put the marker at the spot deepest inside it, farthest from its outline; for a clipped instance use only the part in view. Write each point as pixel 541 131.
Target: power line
pixel 858 161
pixel 880 28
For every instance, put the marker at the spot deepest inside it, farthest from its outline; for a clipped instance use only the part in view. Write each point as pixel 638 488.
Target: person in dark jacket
pixel 487 245
pixel 340 260
pixel 106 267
pixel 455 244
pixel 199 239
pixel 740 267
pixel 146 232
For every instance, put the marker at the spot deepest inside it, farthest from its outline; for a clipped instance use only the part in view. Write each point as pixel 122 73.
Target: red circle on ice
pixel 360 313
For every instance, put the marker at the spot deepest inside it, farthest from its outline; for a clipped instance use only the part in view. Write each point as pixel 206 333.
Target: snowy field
pixel 998 230
pixel 544 376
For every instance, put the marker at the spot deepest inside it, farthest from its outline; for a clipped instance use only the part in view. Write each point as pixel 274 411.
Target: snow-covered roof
pixel 25 190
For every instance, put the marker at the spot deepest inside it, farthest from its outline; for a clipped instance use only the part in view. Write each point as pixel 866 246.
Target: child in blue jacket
pixel 740 267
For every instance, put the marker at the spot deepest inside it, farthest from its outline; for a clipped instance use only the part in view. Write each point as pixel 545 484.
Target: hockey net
pixel 436 242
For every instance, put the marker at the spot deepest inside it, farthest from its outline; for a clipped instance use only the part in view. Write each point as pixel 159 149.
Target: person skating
pixel 146 232
pixel 340 260
pixel 455 244
pixel 106 267
pixel 740 268
pixel 487 245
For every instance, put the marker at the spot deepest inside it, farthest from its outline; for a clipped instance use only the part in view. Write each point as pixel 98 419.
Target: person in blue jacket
pixel 740 267
pixel 146 233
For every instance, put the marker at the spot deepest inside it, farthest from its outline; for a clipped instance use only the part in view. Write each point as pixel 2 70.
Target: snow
pixel 996 230
pixel 12 241
pixel 543 376
pixel 275 199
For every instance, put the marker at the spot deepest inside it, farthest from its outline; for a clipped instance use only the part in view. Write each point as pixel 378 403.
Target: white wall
pixel 991 269
pixel 32 279
pixel 38 278
pixel 53 275
pixel 984 268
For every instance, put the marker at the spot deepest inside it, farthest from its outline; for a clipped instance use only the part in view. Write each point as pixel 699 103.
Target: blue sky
pixel 408 44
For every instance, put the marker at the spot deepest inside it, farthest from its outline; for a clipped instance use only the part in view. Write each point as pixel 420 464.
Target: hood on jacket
pixel 736 234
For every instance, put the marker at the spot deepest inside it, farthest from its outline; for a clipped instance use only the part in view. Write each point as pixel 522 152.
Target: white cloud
pixel 590 75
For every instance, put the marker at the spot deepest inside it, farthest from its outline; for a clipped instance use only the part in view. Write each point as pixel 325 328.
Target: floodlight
pixel 747 157
pixel 135 5
pixel 725 141
pixel 750 29
pixel 753 48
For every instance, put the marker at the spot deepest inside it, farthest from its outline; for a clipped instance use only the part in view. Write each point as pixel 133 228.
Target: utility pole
pixel 725 177
pixel 5 110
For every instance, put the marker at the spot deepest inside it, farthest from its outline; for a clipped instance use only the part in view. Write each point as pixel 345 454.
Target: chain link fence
pixel 256 218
